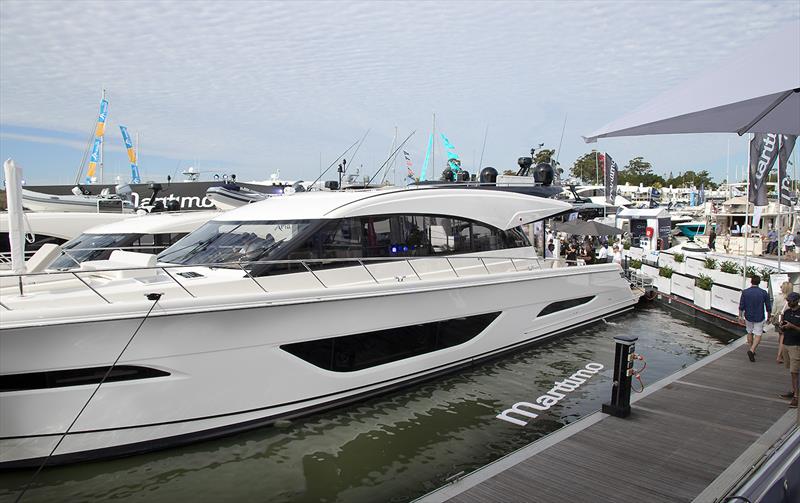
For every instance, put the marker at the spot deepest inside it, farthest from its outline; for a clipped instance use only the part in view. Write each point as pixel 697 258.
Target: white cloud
pixel 268 84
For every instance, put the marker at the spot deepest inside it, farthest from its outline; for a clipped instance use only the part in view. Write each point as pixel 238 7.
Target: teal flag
pixel 424 171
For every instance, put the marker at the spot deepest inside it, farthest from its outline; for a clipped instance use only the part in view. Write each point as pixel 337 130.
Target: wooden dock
pixel 690 437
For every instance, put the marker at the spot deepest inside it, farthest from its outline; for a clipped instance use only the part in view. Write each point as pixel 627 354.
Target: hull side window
pixel 361 351
pixel 564 304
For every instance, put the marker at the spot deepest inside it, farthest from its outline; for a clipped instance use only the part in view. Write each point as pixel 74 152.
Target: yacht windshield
pixel 230 242
pixel 92 247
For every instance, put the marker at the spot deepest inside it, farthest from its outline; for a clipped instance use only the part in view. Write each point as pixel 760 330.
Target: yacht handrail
pixel 307 264
pixel 238 264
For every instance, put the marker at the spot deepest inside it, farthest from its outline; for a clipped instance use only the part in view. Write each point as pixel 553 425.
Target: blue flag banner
pixel 93 160
pixel 452 158
pixel 447 144
pixel 424 171
pixel 131 154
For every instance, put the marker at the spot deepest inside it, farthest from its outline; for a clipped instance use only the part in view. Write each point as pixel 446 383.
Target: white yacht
pixel 52 228
pixel 279 309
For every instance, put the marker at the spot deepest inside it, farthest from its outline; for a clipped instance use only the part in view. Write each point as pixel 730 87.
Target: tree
pixel 638 167
pixel 692 179
pixel 545 155
pixel 639 172
pixel 509 172
pixel 585 167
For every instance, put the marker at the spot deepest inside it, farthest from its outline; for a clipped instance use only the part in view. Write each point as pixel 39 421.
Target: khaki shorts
pixel 791 358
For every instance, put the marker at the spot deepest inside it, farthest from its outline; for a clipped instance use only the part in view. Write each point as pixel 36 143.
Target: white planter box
pixel 702 298
pixel 725 299
pixel 727 279
pixel 650 270
pixel 664 285
pixel 694 267
pixel 679 267
pixel 636 253
pixel 683 286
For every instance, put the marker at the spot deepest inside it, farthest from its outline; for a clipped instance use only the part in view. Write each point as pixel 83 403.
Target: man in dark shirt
pixel 791 343
pixel 752 305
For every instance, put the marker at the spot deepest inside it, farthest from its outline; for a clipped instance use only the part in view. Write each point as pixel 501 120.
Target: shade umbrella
pixel 585 228
pixel 757 92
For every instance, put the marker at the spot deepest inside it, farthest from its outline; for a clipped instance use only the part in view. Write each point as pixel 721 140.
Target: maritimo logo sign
pixel 552 397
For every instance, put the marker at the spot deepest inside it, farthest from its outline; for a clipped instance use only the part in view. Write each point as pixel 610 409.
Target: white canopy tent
pixel 758 91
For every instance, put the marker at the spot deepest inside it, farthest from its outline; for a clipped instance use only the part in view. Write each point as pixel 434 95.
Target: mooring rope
pixel 155 297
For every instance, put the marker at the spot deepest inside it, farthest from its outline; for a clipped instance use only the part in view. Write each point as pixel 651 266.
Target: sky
pixel 249 88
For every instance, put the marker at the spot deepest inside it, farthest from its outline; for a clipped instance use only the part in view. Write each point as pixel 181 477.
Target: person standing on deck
pixel 753 303
pixel 791 344
pixel 712 240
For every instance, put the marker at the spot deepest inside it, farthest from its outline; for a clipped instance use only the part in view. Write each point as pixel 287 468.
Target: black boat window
pixel 372 236
pixel 75 377
pixel 564 304
pixel 361 351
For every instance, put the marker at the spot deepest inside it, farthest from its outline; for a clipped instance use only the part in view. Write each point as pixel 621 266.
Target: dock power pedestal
pixel 620 405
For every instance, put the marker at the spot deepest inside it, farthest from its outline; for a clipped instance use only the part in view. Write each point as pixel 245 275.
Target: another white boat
pixel 148 233
pixel 76 202
pixel 230 196
pixel 52 228
pixel 279 309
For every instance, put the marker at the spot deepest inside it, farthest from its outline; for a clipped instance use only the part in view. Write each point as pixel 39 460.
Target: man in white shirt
pixel 602 254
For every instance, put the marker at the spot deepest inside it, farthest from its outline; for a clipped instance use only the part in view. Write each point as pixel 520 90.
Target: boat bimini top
pixel 504 210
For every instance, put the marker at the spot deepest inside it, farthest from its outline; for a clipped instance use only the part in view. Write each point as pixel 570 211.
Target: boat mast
pixel 480 162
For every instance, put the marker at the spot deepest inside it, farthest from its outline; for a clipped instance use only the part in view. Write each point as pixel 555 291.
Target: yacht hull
pixel 227 370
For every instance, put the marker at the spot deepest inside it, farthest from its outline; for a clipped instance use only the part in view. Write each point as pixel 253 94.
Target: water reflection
pixel 392 448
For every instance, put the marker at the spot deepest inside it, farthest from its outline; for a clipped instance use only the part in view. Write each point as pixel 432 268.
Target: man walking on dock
pixel 753 305
pixel 791 343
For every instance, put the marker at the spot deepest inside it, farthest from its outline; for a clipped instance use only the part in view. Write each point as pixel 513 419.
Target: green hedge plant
pixel 679 257
pixel 704 282
pixel 635 264
pixel 665 271
pixel 765 272
pixel 710 263
pixel 730 267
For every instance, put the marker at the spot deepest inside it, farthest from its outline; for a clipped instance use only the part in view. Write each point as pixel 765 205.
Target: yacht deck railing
pixel 455 268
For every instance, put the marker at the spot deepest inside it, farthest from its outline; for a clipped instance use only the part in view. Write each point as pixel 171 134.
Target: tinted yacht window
pixel 232 242
pixel 372 236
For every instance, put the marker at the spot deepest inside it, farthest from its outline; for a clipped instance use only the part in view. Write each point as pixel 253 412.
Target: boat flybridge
pixel 278 309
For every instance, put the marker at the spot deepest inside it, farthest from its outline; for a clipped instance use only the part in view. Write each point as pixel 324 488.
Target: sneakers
pixel 751 355
pixel 793 403
pixel 787 396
